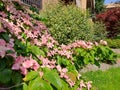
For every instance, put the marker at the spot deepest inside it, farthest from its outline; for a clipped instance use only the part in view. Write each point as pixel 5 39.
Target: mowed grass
pixel 119 56
pixel 104 80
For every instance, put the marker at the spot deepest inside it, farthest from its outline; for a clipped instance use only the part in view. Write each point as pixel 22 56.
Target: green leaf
pixel 83 53
pixel 86 59
pixel 66 86
pixel 92 56
pixel 25 87
pixel 5 75
pixel 72 76
pixel 2 7
pixel 16 77
pixel 91 59
pixel 42 52
pixel 6 37
pixel 24 35
pixel 26 26
pixel 2 64
pixel 9 51
pixel 104 50
pixel 20 47
pixel 39 84
pixel 53 78
pixel 31 75
pixel 79 51
pixel 97 63
pixel 63 61
pixel 37 51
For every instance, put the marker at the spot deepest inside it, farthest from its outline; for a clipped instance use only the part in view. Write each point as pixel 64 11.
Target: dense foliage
pixel 99 31
pixel 113 43
pixel 69 23
pixel 30 57
pixel 111 18
pixel 99 6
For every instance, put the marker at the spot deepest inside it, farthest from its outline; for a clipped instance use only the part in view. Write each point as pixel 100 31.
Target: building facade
pixel 84 4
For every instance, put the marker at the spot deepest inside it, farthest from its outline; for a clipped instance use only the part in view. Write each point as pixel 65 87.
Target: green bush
pixel 113 43
pixel 68 23
pixel 99 31
pixel 34 9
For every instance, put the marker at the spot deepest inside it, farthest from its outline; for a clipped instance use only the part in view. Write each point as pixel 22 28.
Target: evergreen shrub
pixel 69 23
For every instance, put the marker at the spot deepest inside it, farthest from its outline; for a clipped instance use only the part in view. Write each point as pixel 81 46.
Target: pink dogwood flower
pixel 24 63
pixel 18 63
pixel 2 30
pixel 27 64
pixel 59 68
pixel 50 45
pixel 2 51
pixel 103 42
pixel 89 86
pixel 23 70
pixel 35 65
pixel 62 71
pixel 2 42
pixel 41 74
pixel 71 83
pixel 3 14
pixel 82 84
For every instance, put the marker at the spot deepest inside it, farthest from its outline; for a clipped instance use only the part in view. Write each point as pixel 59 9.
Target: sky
pixel 109 1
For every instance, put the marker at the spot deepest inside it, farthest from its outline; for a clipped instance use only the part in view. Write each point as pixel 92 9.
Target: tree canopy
pixel 99 6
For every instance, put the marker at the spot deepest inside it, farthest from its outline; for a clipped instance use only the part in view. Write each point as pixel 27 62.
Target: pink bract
pixel 2 42
pixel 18 63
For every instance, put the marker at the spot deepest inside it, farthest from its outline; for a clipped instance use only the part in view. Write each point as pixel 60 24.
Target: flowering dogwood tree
pixel 30 55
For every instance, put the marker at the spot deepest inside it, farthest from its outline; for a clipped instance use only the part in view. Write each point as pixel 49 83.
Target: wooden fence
pixel 36 3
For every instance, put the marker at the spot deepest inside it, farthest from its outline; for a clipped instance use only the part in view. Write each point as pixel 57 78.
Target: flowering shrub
pixel 99 31
pixel 111 18
pixel 30 57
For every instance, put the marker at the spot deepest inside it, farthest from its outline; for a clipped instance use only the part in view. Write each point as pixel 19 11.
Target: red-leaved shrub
pixel 111 18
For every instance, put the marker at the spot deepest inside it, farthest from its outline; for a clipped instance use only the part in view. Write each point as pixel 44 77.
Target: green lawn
pixel 118 55
pixel 104 80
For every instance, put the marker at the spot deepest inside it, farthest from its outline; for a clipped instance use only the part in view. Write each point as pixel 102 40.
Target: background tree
pixel 99 6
